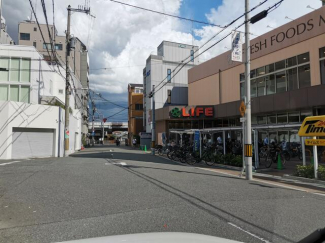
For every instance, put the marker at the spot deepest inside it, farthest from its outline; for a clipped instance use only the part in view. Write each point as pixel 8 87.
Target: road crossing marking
pixel 247 232
pixel 12 162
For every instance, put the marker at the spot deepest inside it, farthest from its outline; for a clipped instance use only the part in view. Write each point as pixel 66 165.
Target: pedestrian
pixel 266 140
pixel 219 140
pixel 134 142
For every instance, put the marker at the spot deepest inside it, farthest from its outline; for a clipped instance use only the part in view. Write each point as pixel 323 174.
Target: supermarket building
pixel 287 84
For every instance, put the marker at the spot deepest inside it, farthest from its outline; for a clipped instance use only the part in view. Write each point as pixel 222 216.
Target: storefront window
pixel 232 122
pixel 195 124
pixel 304 76
pixel 271 119
pixel 253 87
pixel 273 137
pixel 292 61
pixel 207 124
pixel 261 119
pixel 225 123
pixel 294 138
pixel 281 84
pixel 270 84
pixel 283 135
pixel 261 87
pixel 280 65
pixel 187 124
pixel 254 120
pixel 282 118
pixel 303 58
pixel 292 79
pixel 322 52
pixel 260 71
pixel 293 117
pixel 304 114
pixel 269 68
pixel 253 73
pixel 322 71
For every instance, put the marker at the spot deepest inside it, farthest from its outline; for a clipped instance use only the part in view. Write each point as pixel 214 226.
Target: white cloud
pixel 123 37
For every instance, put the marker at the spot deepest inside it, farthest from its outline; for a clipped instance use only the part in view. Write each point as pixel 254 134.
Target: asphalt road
pixel 101 192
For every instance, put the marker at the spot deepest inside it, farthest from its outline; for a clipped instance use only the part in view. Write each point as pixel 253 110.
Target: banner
pixel 196 141
pixel 236 47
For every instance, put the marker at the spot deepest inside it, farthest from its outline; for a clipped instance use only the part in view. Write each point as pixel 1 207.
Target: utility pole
pixel 67 87
pixel 153 125
pixel 80 9
pixel 248 132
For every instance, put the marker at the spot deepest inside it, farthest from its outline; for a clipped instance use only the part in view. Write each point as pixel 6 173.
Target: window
pixel 58 47
pixel 14 69
pixel 47 46
pixel 35 29
pixel 269 68
pixel 281 84
pixel 322 71
pixel 282 118
pixel 260 71
pixel 254 120
pixel 292 77
pixel 4 92
pixel 253 73
pixel 303 58
pixel 14 93
pixel 24 94
pixel 192 55
pixel 293 117
pixel 25 70
pixel 291 61
pixel 253 88
pixel 271 119
pixel 322 52
pixel 270 84
pixel 280 65
pixel 169 75
pixel 242 77
pixel 24 36
pixel 138 91
pixel 60 91
pixel 242 90
pixel 138 107
pixel 34 44
pixel 304 76
pixel 260 87
pixel 169 96
pixel 4 69
pixel 261 119
pixel 305 114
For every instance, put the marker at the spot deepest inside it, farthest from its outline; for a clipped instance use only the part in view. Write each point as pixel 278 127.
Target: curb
pixel 308 180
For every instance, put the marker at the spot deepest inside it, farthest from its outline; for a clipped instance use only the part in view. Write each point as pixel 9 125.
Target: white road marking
pixel 12 162
pixel 320 194
pixel 247 232
pixel 121 163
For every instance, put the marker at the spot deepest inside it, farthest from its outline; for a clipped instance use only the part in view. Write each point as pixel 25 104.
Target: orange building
pixel 135 114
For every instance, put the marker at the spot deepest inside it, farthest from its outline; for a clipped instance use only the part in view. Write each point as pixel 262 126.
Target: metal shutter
pixel 32 142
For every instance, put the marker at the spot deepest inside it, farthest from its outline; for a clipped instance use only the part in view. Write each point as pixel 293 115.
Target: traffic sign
pixel 313 126
pixel 315 142
pixel 242 119
pixel 242 108
pixel 104 120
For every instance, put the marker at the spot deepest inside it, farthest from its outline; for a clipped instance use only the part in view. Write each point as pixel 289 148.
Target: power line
pixel 170 15
pixel 276 5
pixel 219 32
pixel 100 96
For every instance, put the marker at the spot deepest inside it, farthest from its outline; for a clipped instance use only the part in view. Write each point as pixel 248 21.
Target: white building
pixel 159 71
pixel 32 112
pixel 4 36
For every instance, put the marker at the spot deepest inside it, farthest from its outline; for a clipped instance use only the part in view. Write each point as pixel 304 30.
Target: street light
pixel 308 6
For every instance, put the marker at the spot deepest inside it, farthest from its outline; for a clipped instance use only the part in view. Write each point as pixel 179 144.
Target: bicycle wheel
pixel 190 158
pixel 286 156
pixel 209 160
pixel 268 161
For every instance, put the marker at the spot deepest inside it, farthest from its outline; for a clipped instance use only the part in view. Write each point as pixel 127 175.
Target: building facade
pixel 32 96
pixel 135 112
pixel 160 70
pixel 287 84
pixel 29 34
pixel 5 38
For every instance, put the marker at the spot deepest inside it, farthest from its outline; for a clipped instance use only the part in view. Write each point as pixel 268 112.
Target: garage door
pixel 31 142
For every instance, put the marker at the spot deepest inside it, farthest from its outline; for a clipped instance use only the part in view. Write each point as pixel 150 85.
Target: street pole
pixel 153 127
pixel 248 133
pixel 93 126
pixel 39 81
pixel 67 87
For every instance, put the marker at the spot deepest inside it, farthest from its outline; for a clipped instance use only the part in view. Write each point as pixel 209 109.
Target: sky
pixel 121 38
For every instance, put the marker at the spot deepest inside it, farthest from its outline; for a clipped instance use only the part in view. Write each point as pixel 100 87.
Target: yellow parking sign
pixel 315 142
pixel 312 126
